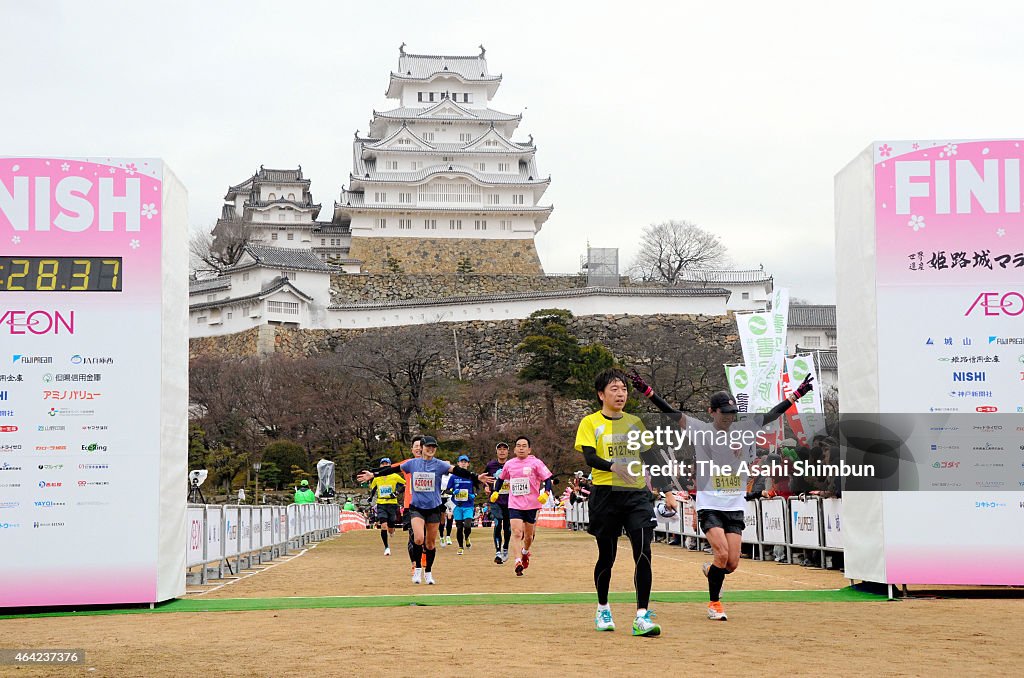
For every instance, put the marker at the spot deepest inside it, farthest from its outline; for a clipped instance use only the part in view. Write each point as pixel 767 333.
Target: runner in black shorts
pixel 721 498
pixel 387 488
pixel 499 509
pixel 618 500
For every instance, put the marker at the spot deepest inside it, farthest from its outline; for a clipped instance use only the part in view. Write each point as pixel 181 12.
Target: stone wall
pixel 487 348
pixel 238 344
pixel 518 257
pixel 370 287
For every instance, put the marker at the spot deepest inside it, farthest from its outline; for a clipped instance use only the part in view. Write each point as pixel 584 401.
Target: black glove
pixel 639 383
pixel 804 387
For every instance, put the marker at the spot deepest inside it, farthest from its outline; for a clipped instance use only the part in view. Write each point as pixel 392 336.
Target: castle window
pixel 465 136
pixel 291 196
pixel 416 164
pixel 211 297
pixel 480 225
pixel 480 166
pixel 419 96
pixel 467 97
pixel 283 307
pixel 503 166
pixel 291 236
pixel 493 199
pixel 265 217
pixel 272 196
pixel 506 225
pixel 746 295
pixel 245 276
pixel 280 216
pixel 380 197
pixel 391 165
pixel 405 198
pixel 404 224
pixel 430 224
pixel 382 223
pixel 273 236
pixel 811 341
pixel 200 320
pixel 455 225
pixel 428 136
pixel 517 199
pixel 230 315
pixel 323 241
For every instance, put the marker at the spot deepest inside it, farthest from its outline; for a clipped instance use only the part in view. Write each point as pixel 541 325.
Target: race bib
pixel 423 482
pixel 520 487
pixel 727 484
pixel 384 491
pixel 462 495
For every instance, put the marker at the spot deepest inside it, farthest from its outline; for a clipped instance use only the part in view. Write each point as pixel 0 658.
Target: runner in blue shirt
pixel 426 506
pixel 463 492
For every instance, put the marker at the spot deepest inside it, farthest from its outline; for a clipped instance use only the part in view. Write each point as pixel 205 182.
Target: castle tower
pixel 437 183
pixel 274 206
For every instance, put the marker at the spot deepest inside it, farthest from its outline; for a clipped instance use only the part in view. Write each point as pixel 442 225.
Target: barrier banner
pixel 231 530
pixel 750 519
pixel 804 525
pixel 214 517
pixel 352 520
pixel 832 512
pixel 194 550
pixel 773 521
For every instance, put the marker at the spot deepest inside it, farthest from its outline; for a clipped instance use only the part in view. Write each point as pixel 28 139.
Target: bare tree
pixel 669 248
pixel 220 249
pixel 394 364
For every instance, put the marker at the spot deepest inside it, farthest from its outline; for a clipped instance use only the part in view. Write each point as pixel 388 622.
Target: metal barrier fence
pixel 250 534
pixel 802 522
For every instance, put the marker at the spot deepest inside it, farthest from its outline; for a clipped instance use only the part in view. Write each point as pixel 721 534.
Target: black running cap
pixel 724 403
pixel 428 441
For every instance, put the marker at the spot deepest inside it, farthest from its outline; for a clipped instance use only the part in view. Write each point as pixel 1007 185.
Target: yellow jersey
pixel 385 486
pixel 610 438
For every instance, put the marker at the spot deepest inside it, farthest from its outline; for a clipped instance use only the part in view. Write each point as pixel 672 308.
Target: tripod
pixel 195 495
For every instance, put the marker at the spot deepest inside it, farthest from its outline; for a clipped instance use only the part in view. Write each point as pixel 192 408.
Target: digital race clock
pixel 60 274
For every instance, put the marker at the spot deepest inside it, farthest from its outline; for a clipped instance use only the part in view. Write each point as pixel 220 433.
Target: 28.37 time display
pixel 60 274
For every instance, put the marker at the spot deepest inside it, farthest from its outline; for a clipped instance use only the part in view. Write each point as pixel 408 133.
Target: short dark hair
pixel 416 439
pixel 608 376
pixel 518 438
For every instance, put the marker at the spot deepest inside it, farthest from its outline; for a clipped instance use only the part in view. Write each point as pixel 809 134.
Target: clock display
pixel 60 274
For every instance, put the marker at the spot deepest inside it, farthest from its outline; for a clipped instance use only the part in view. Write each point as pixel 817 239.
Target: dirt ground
pixel 906 637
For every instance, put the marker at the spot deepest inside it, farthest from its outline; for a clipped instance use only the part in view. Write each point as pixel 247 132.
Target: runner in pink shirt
pixel 529 482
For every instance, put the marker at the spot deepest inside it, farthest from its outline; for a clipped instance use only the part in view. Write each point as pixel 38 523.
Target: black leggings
pixel 447 527
pixel 462 530
pixel 640 540
pixel 504 524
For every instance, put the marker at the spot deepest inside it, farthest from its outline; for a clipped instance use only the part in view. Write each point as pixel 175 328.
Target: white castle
pixel 443 165
pixel 438 186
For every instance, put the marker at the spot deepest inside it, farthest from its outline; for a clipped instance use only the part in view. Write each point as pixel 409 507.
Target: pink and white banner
pixel 93 388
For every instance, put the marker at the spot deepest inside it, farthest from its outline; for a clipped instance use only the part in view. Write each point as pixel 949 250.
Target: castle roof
pixel 427 67
pixel 280 257
pixel 212 285
pixel 433 113
pixel 724 276
pixel 267 176
pixel 808 315
pixel 370 175
pixel 278 283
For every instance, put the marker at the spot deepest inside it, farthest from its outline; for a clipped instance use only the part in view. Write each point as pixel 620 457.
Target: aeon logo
pixel 38 322
pixel 996 303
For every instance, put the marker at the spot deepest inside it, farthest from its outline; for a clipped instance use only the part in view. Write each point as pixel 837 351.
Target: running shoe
pixel 504 555
pixel 461 551
pixel 468 545
pixel 715 612
pixel 643 626
pixel 441 542
pixel 387 551
pixel 498 560
pixel 603 621
pixel 428 578
pixel 417 576
pixel 519 568
pixel 705 568
pixel 447 541
pixel 526 560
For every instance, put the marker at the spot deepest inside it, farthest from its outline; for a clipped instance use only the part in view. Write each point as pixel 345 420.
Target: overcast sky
pixel 735 116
